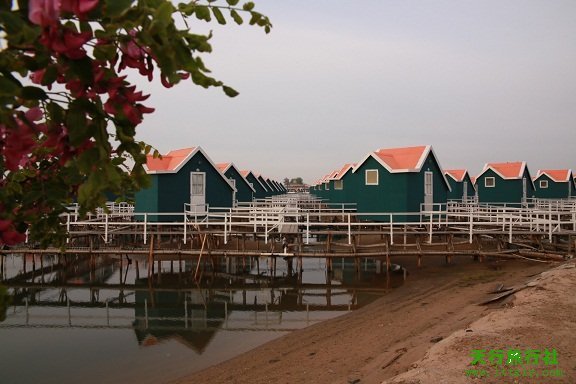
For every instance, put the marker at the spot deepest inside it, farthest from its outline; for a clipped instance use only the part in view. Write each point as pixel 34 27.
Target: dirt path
pixel 381 340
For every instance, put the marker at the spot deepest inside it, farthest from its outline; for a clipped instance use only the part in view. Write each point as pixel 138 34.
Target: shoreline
pixel 384 338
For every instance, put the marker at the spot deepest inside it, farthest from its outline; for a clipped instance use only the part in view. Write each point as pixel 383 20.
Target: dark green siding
pixel 457 188
pixel 170 191
pixel 555 190
pixel 260 192
pixel 395 192
pixel 243 193
pixel 505 191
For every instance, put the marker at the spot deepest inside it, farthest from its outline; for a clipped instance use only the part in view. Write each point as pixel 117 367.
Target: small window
pixel 326 187
pixel 543 184
pixel 339 184
pixel 490 182
pixel 371 177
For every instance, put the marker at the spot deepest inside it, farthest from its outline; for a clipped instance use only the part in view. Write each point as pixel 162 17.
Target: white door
pixel 233 183
pixel 198 192
pixel 524 190
pixel 428 191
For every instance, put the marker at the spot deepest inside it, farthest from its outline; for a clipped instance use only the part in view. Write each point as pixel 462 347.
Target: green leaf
pixel 76 123
pixel 116 8
pixel 230 92
pixel 237 18
pixel 9 86
pixel 232 2
pixel 33 93
pixel 203 13
pixel 219 16
pixel 248 6
pixel 163 14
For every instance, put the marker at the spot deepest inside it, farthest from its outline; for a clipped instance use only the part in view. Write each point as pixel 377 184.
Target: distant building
pixel 505 183
pixel 554 184
pixel 461 185
pixel 184 177
pixel 244 190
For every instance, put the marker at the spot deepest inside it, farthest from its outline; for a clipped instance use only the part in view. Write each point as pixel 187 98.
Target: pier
pixel 297 226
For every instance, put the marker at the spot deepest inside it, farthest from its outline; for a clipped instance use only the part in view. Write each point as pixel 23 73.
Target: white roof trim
pixel 231 165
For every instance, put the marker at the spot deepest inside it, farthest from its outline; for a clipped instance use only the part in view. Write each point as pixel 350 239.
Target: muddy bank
pixel 383 339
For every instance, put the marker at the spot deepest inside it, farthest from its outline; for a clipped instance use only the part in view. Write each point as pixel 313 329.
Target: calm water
pixel 110 324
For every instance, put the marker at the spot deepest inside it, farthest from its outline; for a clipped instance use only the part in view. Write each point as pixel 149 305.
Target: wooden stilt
pixel 419 248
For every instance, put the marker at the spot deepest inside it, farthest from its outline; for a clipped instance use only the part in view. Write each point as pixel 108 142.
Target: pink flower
pixel 44 12
pixel 47 12
pixel 78 7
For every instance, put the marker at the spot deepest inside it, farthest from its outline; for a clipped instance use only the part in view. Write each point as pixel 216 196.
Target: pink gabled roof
pixel 245 173
pixel 511 170
pixel 223 167
pixel 333 175
pixel 457 174
pixel 473 179
pixel 170 162
pixel 344 169
pixel 558 175
pixel 407 158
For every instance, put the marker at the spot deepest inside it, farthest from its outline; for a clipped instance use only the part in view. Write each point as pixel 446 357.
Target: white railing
pixel 264 218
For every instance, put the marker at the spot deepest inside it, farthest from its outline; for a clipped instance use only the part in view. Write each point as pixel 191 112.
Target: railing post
pixel 307 227
pixel 391 229
pixel 265 227
pixel 431 218
pixel 349 230
pixel 106 229
pixel 145 227
pixel 185 227
pixel 471 219
pixel 67 228
pixel 225 228
pixel 510 230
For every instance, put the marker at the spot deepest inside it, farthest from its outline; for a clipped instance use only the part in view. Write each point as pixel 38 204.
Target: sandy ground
pixel 425 332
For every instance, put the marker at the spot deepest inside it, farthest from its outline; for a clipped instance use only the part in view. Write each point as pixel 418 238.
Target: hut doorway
pixel 428 191
pixel 198 192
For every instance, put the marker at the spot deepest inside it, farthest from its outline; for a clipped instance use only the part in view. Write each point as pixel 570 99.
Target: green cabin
pixel 337 193
pixel 183 180
pixel 461 186
pixel 261 191
pixel 396 180
pixel 505 184
pixel 244 190
pixel 554 184
pixel 271 187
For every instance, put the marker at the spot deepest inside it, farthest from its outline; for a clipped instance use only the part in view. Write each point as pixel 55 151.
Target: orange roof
pixel 513 170
pixel 558 175
pixel 408 158
pixel 170 161
pixel 456 174
pixel 222 167
pixel 244 173
pixel 344 169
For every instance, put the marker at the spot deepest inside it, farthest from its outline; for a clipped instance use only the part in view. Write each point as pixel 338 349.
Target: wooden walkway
pixel 301 226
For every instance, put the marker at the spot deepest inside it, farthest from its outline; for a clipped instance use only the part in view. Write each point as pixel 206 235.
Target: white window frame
pixel 366 176
pixel 339 185
pixel 327 186
pixel 543 184
pixel 490 185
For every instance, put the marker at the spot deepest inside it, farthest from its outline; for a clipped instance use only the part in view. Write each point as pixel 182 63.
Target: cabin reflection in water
pixel 242 300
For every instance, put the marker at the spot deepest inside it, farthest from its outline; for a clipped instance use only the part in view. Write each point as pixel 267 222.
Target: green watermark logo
pixel 514 363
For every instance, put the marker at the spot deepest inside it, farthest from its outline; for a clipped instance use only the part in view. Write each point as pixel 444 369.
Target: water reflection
pixel 236 305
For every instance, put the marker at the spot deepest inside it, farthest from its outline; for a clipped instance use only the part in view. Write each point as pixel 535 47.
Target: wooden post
pixel 419 248
pixel 151 258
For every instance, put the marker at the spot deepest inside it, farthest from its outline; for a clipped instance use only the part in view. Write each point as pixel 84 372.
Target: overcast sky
pixel 481 81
